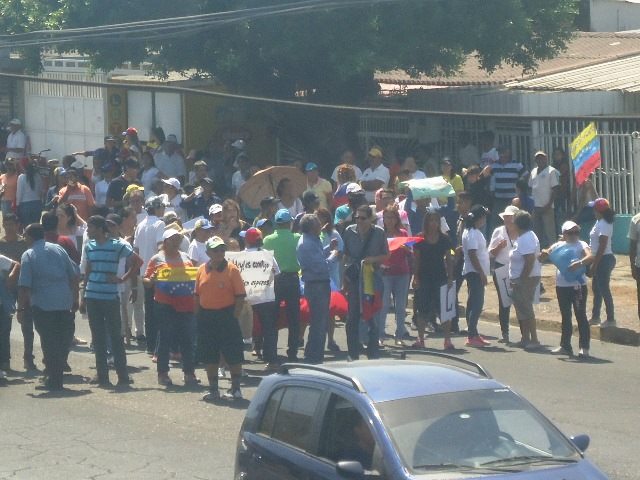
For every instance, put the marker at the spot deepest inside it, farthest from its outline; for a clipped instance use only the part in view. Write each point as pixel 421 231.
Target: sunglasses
pixel 360 218
pixel 573 232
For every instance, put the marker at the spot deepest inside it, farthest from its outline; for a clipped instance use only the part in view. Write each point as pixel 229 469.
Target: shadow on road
pixel 64 393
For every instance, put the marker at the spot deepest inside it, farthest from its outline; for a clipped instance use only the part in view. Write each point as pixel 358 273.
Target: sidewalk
pixel 627 330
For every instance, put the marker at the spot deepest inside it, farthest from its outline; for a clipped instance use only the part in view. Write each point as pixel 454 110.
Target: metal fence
pixel 618 179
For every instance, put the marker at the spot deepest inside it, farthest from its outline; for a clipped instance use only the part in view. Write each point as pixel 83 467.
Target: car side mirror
pixel 581 441
pixel 350 469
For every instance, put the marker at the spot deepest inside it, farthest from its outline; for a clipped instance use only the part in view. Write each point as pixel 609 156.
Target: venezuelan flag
pixel 176 281
pixel 585 153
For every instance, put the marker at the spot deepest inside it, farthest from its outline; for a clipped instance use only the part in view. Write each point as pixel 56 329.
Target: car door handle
pixel 257 457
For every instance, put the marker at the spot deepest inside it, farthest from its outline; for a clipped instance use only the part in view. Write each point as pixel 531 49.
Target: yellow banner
pixel 177 274
pixel 581 141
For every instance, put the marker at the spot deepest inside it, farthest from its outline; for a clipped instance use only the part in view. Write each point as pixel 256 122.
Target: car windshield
pixel 491 429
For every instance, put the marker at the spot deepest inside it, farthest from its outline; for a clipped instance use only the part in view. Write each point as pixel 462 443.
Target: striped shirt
pixel 503 179
pixel 103 260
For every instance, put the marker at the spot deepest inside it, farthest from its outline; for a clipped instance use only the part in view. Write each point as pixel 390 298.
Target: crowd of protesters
pixel 101 241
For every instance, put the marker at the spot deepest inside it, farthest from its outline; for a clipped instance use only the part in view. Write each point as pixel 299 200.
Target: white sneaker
pixel 221 372
pixel 583 353
pixel 608 323
pixel 233 394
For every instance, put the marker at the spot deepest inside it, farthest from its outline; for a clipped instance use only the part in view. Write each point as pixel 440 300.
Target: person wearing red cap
pixel 131 142
pixel 604 261
pixel 266 312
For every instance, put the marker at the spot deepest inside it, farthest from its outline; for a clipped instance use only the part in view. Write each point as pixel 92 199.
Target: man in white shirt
pixel 147 240
pixel 169 160
pixel 17 140
pixel 347 158
pixel 376 176
pixel 489 153
pixel 411 166
pixel 544 182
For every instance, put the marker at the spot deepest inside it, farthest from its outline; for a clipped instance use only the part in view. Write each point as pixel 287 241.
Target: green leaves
pixel 328 54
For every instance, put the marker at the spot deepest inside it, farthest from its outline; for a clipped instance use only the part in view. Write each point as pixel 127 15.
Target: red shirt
pixel 80 196
pixel 178 290
pixel 398 262
pixel 66 243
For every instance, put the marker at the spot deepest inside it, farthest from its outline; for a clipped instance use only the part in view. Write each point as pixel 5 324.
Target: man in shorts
pixel 219 297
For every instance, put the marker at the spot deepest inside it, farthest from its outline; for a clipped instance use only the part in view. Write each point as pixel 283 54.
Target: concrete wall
pixel 614 15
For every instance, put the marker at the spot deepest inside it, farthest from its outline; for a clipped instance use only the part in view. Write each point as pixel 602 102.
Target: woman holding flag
pixel 396 275
pixel 172 276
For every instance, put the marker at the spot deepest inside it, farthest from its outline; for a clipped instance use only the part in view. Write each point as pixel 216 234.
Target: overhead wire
pixel 177 26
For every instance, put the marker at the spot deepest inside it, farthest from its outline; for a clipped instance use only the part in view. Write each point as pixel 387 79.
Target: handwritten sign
pixel 448 303
pixel 504 285
pixel 257 273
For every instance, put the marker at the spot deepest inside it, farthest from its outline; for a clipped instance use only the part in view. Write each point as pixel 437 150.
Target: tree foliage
pixel 329 55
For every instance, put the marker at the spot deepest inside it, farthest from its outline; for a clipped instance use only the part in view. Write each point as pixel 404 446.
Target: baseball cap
pixel 130 131
pixel 310 166
pixel 171 138
pixel 353 188
pixel 200 163
pixel 283 216
pixel 170 232
pixel 215 208
pixel 510 211
pixel 268 201
pixel 600 205
pixel 155 202
pixel 262 222
pixel 540 153
pixel 109 138
pixel 203 223
pixel 375 152
pixel 174 182
pixel 239 144
pixel 77 164
pixel 215 242
pixel 446 161
pixel 251 235
pixel 569 225
pixel 133 188
pixel 15 121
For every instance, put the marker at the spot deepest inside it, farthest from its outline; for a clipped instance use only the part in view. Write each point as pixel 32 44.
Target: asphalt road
pixel 158 433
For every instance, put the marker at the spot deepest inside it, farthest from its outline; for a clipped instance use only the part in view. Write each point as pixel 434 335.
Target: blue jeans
pixel 30 212
pixel 398 286
pixel 5 205
pixel 104 322
pixel 356 326
pixel 601 287
pixel 179 327
pixel 5 337
pixel 318 295
pixel 475 301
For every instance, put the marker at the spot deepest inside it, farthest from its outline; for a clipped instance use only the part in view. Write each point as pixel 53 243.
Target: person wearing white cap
pixel 502 241
pixel 171 190
pixel 545 183
pixel 376 176
pixel 570 258
pixel 18 144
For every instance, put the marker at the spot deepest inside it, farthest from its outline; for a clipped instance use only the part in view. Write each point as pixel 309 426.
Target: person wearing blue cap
pixel 283 243
pixel 320 186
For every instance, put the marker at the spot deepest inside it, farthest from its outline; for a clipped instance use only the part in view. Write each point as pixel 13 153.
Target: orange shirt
pixel 10 182
pixel 80 196
pixel 217 290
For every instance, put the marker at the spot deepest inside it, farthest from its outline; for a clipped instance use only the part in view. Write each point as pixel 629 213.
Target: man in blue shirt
pixel 317 286
pixel 48 286
pixel 103 254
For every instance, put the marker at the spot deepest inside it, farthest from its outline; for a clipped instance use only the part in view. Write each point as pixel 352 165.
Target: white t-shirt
pixel 577 247
pixel 498 235
pixel 101 193
pixel 380 173
pixel 197 252
pixel 237 180
pixel 602 227
pixel 5 263
pixel 16 139
pixel 172 166
pixel 147 178
pixel 542 184
pixel 526 244
pixel 334 175
pixel 469 155
pixel 147 238
pixel 489 157
pixel 295 209
pixel 634 234
pixel 473 239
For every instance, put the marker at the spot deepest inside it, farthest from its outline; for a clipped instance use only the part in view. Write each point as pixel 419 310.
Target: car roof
pixel 386 380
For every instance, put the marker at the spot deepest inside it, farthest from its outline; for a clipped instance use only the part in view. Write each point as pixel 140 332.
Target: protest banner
pixel 448 304
pixel 257 273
